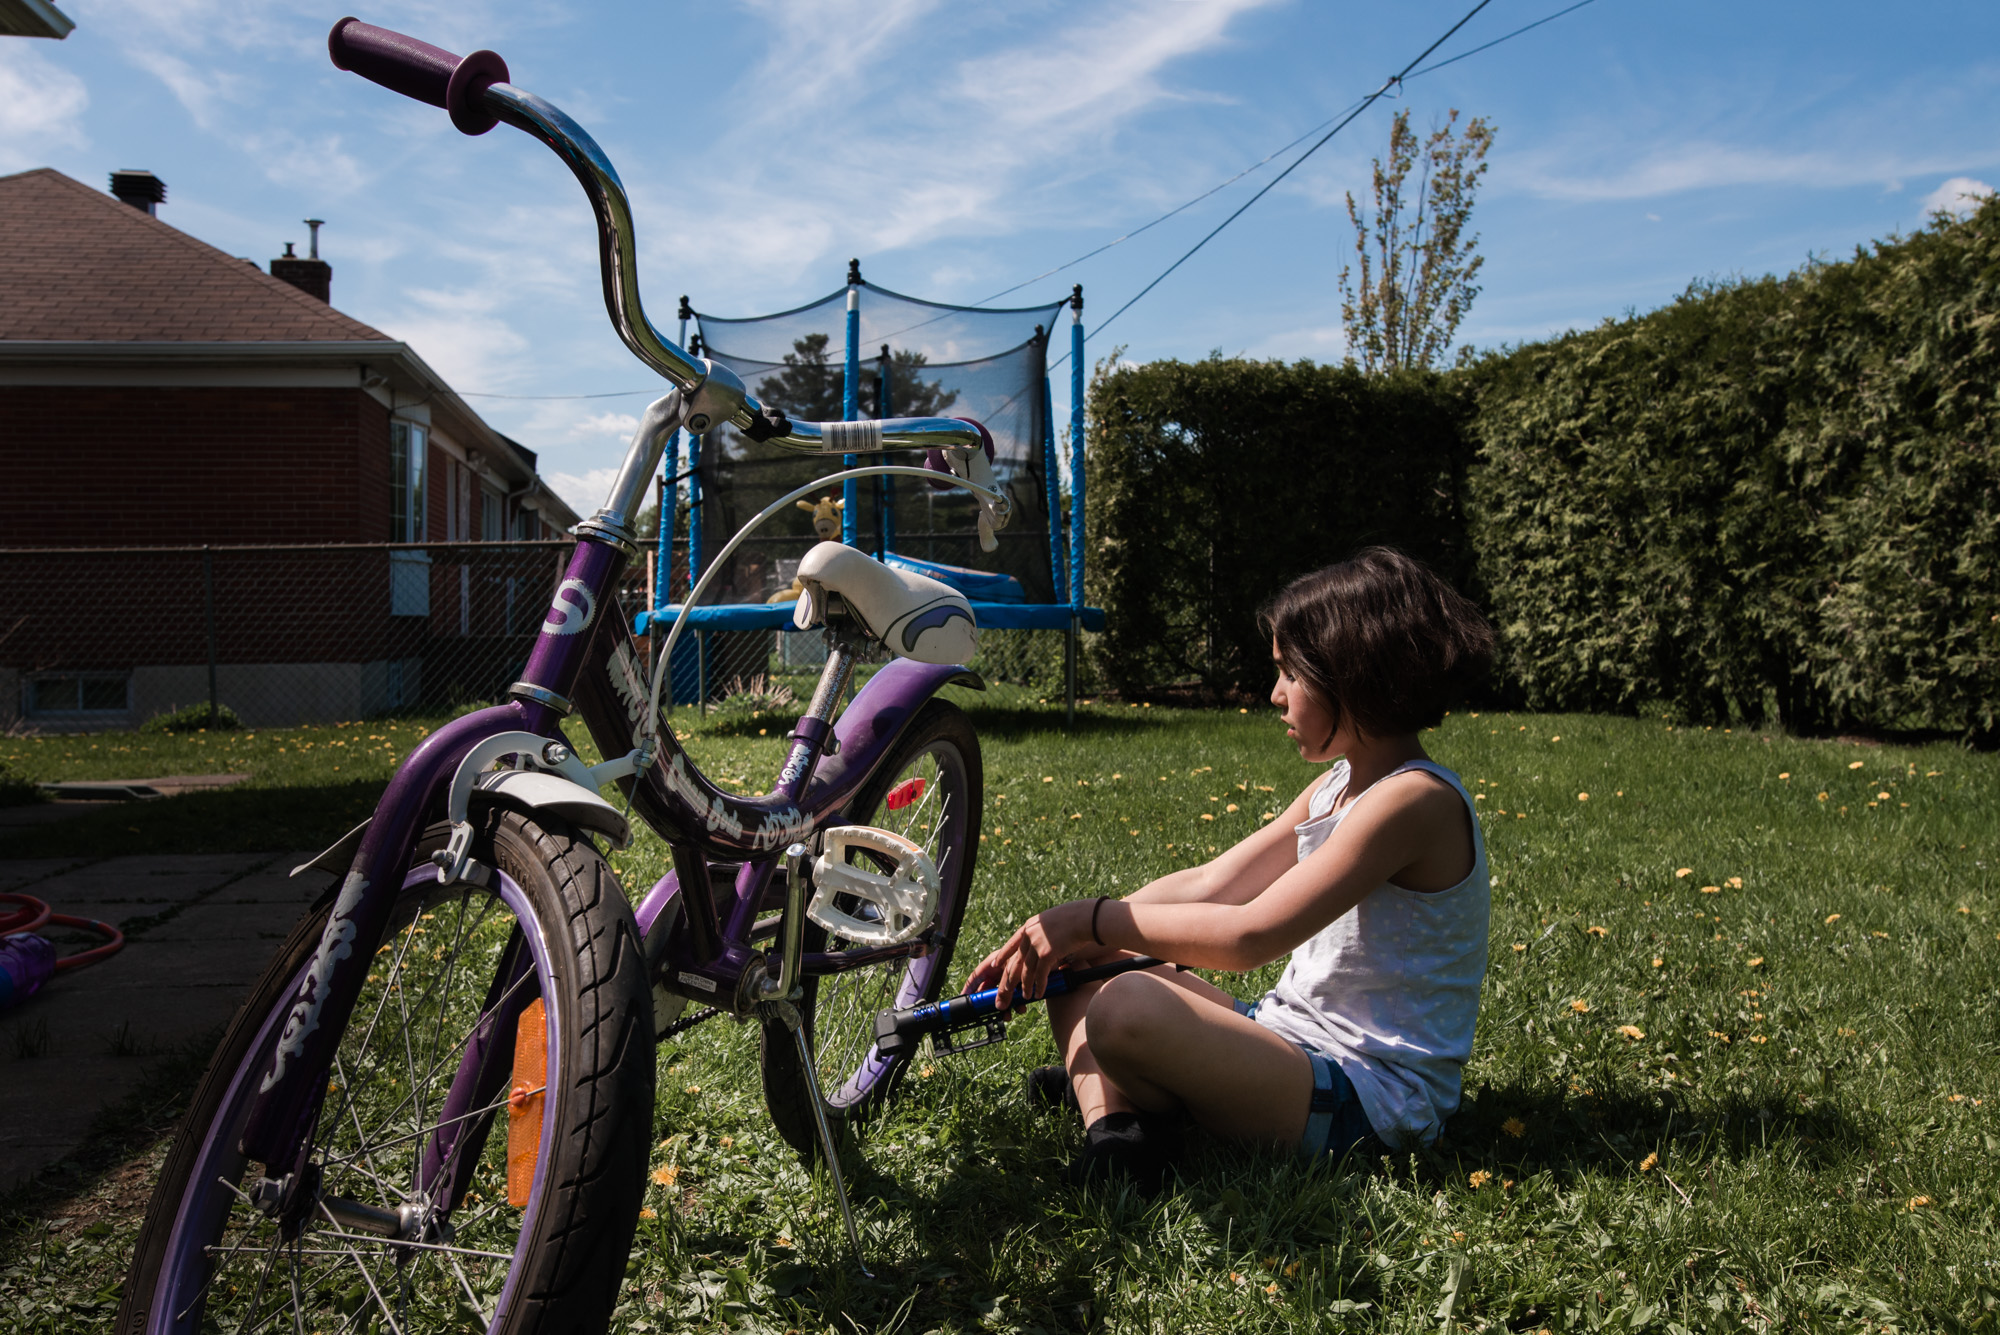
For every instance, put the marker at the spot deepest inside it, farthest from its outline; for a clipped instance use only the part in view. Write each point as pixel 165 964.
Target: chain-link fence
pixel 103 639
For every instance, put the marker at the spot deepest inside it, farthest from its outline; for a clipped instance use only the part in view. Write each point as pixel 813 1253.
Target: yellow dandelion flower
pixel 1598 931
pixel 1755 961
pixel 1272 1287
pixel 1208 815
pixel 1918 1202
pixel 1657 961
pixel 1583 797
pixel 1048 778
pixel 1519 947
pixel 1845 1033
pixel 1822 797
pixel 1514 1127
pixel 1717 1033
pixel 1269 815
pixel 1954 1098
pixel 1292 1270
pixel 1649 1163
pixel 1784 776
pixel 1230 807
pixel 1682 872
pixel 1759 1038
pixel 1480 1179
pixel 928 1071
pixel 1580 1006
pixel 1833 917
pixel 1734 883
pixel 694 1089
pixel 665 1174
pixel 649 1213
pixel 1711 889
pixel 1632 1031
pixel 1507 1184
pixel 1856 765
pixel 729 1142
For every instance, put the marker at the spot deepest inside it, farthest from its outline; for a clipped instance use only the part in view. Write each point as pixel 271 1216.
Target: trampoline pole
pixel 1076 447
pixel 1052 485
pixel 670 515
pixel 885 487
pixel 850 390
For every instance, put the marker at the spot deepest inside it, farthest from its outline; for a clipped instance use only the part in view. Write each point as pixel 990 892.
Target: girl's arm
pixel 1236 876
pixel 1240 872
pixel 1403 819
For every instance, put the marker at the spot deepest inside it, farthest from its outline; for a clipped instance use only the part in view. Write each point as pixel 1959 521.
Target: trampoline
pixel 860 352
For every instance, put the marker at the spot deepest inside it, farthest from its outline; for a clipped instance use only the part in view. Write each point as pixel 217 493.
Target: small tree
pixel 1417 284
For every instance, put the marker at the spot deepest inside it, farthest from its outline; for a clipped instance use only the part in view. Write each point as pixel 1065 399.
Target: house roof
pixel 78 265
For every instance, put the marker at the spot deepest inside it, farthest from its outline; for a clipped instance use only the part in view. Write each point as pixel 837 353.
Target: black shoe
pixel 1048 1087
pixel 1140 1147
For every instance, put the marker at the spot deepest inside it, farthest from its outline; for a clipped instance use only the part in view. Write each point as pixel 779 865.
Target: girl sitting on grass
pixel 1374 878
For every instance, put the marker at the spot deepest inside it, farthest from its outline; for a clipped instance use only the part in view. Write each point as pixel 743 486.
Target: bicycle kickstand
pixel 790 1015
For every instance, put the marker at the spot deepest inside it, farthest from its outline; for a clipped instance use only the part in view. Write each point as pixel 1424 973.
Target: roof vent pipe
pixel 139 188
pixel 312 275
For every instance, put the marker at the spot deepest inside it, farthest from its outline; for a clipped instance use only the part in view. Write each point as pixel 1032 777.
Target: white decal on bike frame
pixel 572 610
pixel 780 825
pixel 628 683
pixel 335 945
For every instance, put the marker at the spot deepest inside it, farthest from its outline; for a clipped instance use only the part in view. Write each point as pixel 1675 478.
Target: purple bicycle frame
pixel 585 654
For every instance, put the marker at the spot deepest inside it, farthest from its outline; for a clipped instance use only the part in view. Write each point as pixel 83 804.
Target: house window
pixel 457 502
pixel 407 443
pixel 492 515
pixel 78 693
pixel 527 525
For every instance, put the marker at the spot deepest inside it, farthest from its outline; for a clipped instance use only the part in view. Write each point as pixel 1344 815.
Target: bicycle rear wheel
pixel 930 790
pixel 413 1224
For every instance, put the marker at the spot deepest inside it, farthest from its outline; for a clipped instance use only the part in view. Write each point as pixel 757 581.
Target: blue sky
pixel 959 149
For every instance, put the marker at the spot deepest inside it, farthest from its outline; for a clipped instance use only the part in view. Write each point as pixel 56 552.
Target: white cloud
pixel 583 492
pixel 41 106
pixel 1959 196
pixel 606 424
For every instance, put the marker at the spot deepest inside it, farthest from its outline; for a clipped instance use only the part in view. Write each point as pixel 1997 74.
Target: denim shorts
pixel 1336 1122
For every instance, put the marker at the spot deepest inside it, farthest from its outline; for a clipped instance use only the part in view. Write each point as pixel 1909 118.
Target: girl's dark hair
pixel 1379 639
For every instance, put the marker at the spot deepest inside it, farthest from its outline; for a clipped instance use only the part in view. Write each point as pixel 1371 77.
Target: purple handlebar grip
pixel 419 70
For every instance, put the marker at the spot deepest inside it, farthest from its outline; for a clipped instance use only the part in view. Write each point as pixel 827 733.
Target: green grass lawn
pixel 1735 1064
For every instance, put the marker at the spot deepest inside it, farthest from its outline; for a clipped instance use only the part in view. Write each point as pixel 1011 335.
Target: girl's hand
pixel 1049 939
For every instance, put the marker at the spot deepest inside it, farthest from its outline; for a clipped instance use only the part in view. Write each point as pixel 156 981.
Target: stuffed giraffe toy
pixel 826 526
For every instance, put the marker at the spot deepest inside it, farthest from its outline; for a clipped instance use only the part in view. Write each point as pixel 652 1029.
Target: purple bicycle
pixel 435 1109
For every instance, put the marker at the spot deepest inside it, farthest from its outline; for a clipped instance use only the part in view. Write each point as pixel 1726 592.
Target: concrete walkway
pixel 200 930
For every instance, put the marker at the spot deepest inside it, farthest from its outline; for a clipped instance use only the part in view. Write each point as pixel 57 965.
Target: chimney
pixel 139 188
pixel 312 275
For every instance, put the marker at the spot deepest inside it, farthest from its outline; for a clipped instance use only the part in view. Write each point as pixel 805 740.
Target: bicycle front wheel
pixel 930 790
pixel 433 1204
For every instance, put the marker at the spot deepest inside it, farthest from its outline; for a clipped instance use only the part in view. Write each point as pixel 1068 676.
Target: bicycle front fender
pixel 289 1090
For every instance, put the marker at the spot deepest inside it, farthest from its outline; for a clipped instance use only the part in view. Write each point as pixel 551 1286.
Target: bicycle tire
pixel 838 1010
pixel 557 925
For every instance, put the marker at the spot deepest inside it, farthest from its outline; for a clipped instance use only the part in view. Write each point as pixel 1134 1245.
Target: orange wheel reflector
pixel 903 794
pixel 525 1101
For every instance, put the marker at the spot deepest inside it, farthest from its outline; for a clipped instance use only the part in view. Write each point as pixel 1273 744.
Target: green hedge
pixel 1770 500
pixel 1213 483
pixel 1776 499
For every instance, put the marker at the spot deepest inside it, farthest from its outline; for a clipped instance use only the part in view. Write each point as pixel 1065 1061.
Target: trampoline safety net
pixel 917 359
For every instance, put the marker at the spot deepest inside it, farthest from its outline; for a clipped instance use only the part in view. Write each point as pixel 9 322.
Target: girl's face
pixel 1307 721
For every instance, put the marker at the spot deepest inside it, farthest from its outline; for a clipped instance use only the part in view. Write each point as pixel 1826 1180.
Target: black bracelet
pixel 1093 919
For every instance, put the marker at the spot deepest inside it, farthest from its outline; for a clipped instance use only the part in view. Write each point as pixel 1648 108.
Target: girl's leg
pixel 1157 1043
pixel 1162 1039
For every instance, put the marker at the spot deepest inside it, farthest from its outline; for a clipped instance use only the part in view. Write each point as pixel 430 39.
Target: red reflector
pixel 904 793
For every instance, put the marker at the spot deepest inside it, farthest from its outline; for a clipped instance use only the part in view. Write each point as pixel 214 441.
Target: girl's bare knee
pixel 1127 1017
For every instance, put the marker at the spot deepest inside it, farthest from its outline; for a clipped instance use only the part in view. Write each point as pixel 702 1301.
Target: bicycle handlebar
pixel 476 91
pixel 419 70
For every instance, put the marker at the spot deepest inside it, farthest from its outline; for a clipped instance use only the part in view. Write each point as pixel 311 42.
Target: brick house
pixel 218 482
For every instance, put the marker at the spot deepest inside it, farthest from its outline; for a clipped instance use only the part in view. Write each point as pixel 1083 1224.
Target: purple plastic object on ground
pixel 26 961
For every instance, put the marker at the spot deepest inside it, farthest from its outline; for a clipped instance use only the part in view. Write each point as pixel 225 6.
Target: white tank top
pixel 1390 989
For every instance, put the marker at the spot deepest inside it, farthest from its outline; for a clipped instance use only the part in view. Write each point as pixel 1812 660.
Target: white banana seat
pixel 913 615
